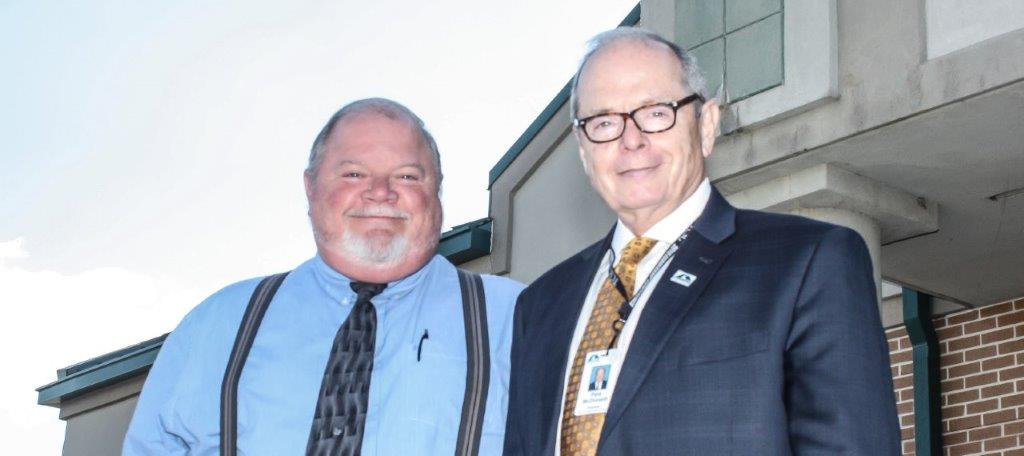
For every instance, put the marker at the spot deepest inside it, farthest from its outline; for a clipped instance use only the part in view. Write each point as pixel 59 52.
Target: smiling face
pixel 643 176
pixel 373 199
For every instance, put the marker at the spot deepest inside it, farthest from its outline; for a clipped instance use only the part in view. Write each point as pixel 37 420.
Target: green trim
pixel 101 371
pixel 466 242
pixel 460 244
pixel 917 316
pixel 545 116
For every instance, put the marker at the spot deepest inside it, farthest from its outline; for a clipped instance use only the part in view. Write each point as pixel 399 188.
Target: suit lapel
pixel 563 314
pixel 700 256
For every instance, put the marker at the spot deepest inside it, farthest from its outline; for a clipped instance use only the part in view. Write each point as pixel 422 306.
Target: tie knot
pixel 636 250
pixel 365 291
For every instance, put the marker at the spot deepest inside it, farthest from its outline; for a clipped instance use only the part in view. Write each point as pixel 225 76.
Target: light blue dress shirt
pixel 415 404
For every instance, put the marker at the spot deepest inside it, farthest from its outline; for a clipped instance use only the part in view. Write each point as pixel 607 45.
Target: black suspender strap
pixel 478 364
pixel 254 313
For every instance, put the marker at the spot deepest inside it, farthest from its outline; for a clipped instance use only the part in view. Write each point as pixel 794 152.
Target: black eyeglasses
pixel 654 118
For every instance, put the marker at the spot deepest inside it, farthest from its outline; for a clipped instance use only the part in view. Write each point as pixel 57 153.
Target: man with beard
pixel 363 348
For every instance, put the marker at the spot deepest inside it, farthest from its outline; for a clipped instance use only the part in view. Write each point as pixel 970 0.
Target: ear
pixel 307 180
pixel 709 116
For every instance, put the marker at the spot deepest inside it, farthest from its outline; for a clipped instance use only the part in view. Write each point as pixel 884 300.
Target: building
pixel 903 120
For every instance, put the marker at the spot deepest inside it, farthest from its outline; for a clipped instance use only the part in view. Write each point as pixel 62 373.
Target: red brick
pixel 967 448
pixel 1013 346
pixel 1019 304
pixel 1011 319
pixel 997 309
pixel 893 346
pixel 997 363
pixel 952 385
pixel 906 433
pixel 983 406
pixel 964 317
pixel 896 332
pixel 964 343
pixel 906 369
pixel 907 407
pixel 906 420
pixel 1020 385
pixel 954 438
pixel 949 332
pixel 967 422
pixel 980 352
pixel 980 325
pixel 964 370
pixel 1020 358
pixel 1020 331
pixel 996 390
pixel 964 396
pixel 1014 428
pixel 985 433
pixel 1001 443
pixel 951 359
pixel 997 335
pixel 906 382
pixel 901 357
pixel 909 447
pixel 981 379
pixel 1013 401
pixel 907 394
pixel 1014 452
pixel 1001 416
pixel 953 411
pixel 1011 373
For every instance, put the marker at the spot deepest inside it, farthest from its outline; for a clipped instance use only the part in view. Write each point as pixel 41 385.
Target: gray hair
pixel 693 78
pixel 388 108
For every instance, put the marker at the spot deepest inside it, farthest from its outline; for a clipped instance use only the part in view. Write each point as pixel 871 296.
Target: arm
pixel 839 397
pixel 149 431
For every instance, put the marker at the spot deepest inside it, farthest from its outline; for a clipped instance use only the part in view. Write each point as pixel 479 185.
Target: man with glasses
pixel 725 331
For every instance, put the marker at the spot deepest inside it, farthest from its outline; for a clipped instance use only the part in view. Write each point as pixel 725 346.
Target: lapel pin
pixel 706 260
pixel 683 278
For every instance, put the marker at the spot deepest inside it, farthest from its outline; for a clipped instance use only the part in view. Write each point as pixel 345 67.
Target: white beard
pixel 375 251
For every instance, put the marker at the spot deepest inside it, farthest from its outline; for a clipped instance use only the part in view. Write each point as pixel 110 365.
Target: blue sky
pixel 152 151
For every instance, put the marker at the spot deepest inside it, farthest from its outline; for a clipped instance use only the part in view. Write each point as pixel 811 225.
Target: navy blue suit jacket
pixel 775 348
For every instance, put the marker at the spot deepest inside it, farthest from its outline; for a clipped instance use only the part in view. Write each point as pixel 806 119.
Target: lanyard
pixel 628 304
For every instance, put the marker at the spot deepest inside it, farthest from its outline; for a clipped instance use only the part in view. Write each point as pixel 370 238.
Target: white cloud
pixel 13 250
pixel 53 320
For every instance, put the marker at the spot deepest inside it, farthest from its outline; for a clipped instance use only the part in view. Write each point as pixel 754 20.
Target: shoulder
pixel 223 307
pixel 791 230
pixel 501 286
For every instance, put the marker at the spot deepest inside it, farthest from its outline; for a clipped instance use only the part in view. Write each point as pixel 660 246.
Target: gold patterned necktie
pixel 580 434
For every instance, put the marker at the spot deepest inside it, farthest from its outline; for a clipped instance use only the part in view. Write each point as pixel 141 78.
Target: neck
pixel 642 219
pixel 376 273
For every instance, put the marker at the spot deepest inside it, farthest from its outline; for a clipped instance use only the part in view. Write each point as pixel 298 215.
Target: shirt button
pixel 336 431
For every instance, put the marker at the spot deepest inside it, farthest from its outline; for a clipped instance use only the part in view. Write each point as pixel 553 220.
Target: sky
pixel 152 152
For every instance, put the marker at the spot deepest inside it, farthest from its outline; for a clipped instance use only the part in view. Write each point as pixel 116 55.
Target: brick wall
pixel 982 373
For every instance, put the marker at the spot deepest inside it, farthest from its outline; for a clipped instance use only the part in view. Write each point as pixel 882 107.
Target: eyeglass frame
pixel 675 105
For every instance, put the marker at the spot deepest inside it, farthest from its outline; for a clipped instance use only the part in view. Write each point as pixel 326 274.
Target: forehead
pixel 627 74
pixel 376 135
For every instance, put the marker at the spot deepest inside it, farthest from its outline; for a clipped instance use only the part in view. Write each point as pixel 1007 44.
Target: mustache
pixel 378 211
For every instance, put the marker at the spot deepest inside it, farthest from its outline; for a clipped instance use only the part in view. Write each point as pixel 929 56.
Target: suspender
pixel 478 363
pixel 254 313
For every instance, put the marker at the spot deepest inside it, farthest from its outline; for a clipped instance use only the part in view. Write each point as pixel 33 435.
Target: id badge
pixel 596 388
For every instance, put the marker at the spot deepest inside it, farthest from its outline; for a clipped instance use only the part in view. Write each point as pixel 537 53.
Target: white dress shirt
pixel 666 231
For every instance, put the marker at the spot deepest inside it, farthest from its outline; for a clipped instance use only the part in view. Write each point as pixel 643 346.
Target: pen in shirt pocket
pixel 419 349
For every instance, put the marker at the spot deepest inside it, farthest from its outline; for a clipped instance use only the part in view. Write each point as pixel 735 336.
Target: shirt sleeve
pixel 152 429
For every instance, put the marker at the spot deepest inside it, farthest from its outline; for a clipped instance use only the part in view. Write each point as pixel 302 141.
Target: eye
pixel 352 174
pixel 409 177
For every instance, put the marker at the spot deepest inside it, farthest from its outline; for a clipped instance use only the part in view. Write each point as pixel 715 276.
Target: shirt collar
pixel 672 226
pixel 337 285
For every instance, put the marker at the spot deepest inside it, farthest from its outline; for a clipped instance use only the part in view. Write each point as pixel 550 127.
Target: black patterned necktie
pixel 345 392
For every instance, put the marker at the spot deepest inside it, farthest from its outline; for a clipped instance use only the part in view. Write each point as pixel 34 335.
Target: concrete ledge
pixel 899 214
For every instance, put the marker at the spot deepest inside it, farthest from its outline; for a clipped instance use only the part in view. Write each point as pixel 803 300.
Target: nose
pixel 380 190
pixel 632 137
